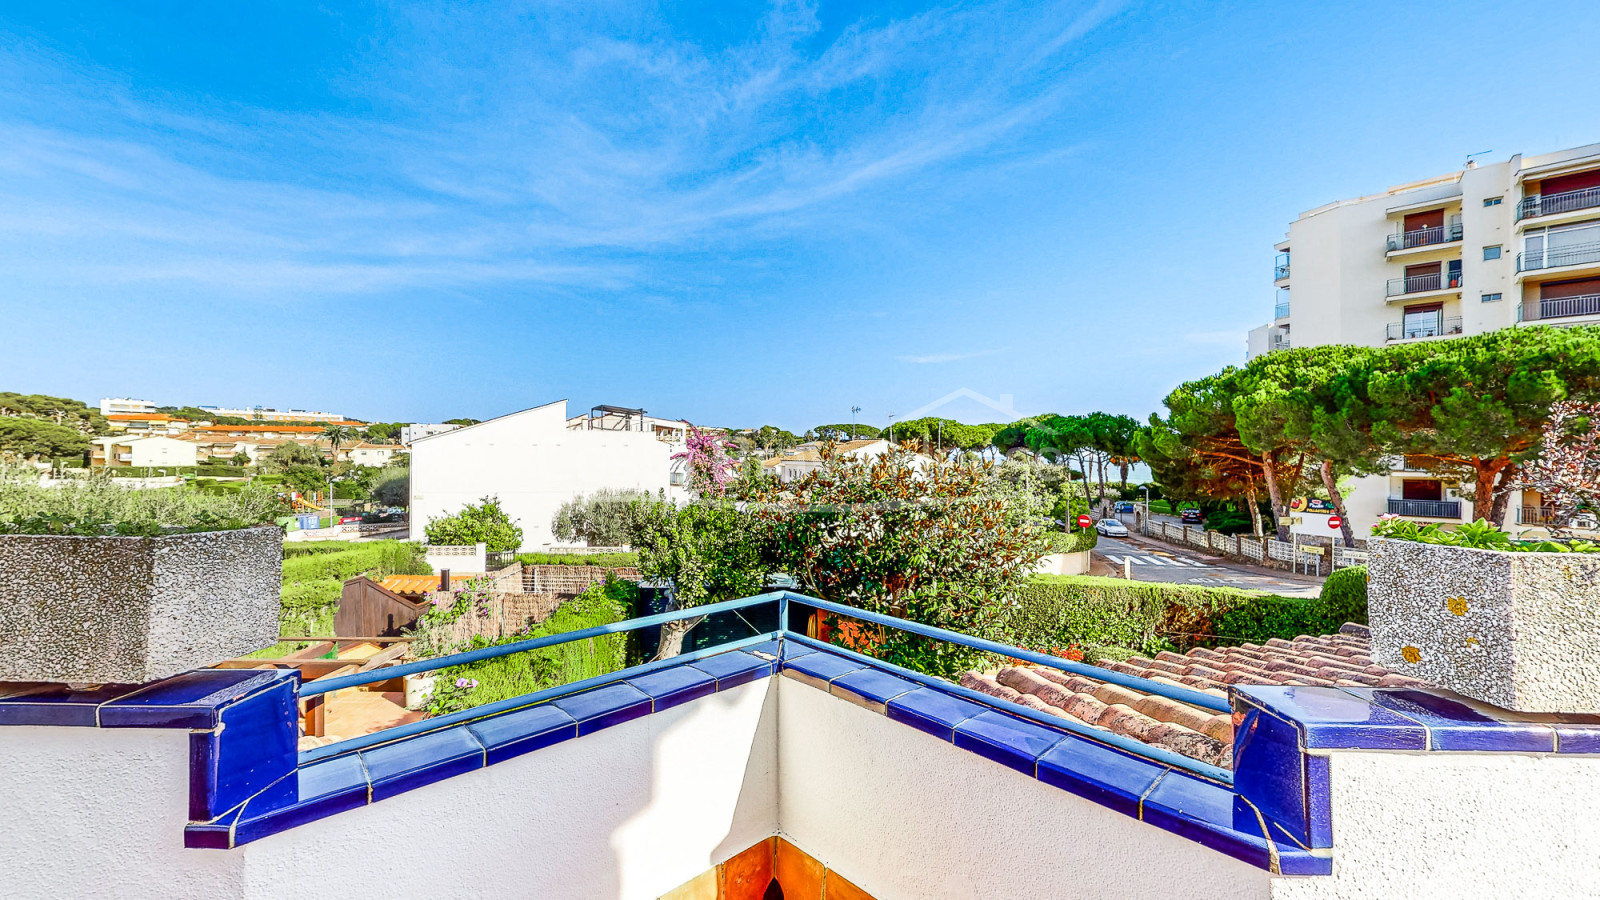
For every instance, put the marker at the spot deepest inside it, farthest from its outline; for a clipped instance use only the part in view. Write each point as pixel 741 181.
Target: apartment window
pixel 1491 252
pixel 1491 201
pixel 1490 298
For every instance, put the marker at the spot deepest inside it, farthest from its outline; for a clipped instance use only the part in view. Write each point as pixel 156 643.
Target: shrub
pixel 463 687
pixel 1072 541
pixel 486 523
pixel 1345 594
pixel 1107 613
pixel 599 519
pixel 97 506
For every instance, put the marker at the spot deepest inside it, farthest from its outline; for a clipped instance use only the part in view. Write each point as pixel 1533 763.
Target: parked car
pixel 1111 528
pixel 1190 517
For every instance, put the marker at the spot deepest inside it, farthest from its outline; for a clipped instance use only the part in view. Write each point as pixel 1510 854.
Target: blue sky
pixel 733 214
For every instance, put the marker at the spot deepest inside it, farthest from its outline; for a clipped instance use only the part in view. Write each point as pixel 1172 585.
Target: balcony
pixel 1400 331
pixel 1550 204
pixel 1281 311
pixel 1536 515
pixel 1556 257
pixel 1422 284
pixel 1560 307
pixel 1280 267
pixel 1423 237
pixel 1425 509
pixel 1280 342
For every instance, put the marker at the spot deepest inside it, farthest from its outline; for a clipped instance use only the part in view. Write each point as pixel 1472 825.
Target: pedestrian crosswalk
pixel 1176 561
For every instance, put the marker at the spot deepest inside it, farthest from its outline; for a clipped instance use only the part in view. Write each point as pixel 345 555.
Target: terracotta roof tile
pixel 1337 659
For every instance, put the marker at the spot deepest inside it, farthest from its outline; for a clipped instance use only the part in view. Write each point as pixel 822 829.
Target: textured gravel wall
pixel 131 610
pixel 1519 630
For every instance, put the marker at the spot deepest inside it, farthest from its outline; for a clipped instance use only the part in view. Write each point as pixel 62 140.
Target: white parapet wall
pixel 460 560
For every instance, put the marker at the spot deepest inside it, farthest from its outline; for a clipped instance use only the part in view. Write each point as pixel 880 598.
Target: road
pixel 1154 561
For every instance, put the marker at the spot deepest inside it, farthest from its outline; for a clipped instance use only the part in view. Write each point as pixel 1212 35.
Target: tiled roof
pixel 421 584
pixel 1323 660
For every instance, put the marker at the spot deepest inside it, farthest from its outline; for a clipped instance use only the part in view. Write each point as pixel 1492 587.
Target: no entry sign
pixel 1335 521
pixel 1084 521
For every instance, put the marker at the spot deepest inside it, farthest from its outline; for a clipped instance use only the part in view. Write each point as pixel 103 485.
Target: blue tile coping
pixel 247 781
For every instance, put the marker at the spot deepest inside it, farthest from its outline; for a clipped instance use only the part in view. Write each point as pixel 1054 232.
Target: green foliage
pixel 843 432
pixel 314 572
pixel 97 505
pixel 612 560
pixel 72 414
pixel 1072 541
pixel 1479 535
pixel 1344 594
pixel 1063 610
pixel 942 544
pixel 599 519
pixel 290 455
pixel 40 439
pixel 462 422
pixel 392 487
pixel 463 687
pixel 709 550
pixel 484 523
pixel 385 432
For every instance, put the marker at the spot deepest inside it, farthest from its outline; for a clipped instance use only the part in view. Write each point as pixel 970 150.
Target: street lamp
pixel 853 411
pixel 1146 490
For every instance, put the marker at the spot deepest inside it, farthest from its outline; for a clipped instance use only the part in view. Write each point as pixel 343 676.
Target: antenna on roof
pixel 1472 163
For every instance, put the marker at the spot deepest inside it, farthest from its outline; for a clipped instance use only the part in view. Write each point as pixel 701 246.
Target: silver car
pixel 1111 528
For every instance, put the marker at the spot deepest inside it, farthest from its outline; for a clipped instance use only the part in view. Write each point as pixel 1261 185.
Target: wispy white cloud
pixel 539 146
pixel 932 358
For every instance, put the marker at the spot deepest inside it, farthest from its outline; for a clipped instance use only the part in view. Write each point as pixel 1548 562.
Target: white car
pixel 1111 528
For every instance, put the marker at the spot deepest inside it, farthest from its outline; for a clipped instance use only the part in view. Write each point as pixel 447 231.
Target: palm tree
pixel 337 435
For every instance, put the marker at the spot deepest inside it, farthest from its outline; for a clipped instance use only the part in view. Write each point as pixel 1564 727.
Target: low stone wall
pixel 130 609
pixel 1518 630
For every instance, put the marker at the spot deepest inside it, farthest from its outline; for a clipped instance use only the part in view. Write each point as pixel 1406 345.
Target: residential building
pixel 533 461
pixel 365 454
pixel 622 418
pixel 119 405
pixel 146 423
pixel 409 433
pixel 142 450
pixel 269 414
pixel 798 462
pixel 1508 244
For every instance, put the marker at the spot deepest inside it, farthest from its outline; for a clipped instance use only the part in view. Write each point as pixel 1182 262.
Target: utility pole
pixel 853 411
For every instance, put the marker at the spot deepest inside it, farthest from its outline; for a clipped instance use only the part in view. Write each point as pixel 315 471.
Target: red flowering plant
pixel 710 468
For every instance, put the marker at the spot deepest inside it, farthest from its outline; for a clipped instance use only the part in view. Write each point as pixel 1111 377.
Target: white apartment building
pixel 417 431
pixel 1500 245
pixel 268 414
pixel 798 462
pixel 125 406
pixel 533 461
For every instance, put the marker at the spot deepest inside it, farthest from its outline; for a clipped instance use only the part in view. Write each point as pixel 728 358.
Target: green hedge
pixel 215 471
pixel 615 560
pixel 389 557
pixel 1093 612
pixel 1345 594
pixel 1072 541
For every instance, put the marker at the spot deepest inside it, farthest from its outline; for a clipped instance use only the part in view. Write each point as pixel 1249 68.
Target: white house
pixel 533 462
pixel 365 454
pixel 155 450
pixel 797 463
pixel 417 431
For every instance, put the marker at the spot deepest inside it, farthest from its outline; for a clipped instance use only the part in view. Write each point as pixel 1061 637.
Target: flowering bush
pixel 710 468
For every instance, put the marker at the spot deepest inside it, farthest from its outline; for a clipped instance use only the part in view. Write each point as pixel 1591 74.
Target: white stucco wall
pixel 630 811
pixel 533 463
pixel 907 816
pixel 1460 825
pixel 162 451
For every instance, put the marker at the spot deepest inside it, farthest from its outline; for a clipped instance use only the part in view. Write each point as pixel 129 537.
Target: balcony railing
pixel 1424 237
pixel 1280 342
pixel 1417 284
pixel 1554 257
pixel 1280 271
pixel 1560 307
pixel 1566 201
pixel 1400 331
pixel 1536 515
pixel 1281 311
pixel 1425 509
